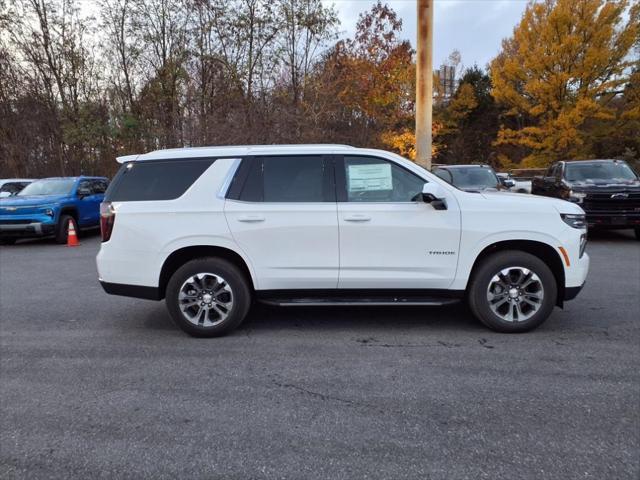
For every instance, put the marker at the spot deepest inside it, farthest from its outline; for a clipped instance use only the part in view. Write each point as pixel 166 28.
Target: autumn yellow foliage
pixel 566 61
pixel 404 142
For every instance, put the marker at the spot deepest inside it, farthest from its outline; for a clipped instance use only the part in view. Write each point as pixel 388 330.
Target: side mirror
pixel 84 192
pixel 434 194
pixel 5 194
pixel 508 183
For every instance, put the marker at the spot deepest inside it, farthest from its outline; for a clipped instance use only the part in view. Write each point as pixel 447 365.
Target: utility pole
pixel 424 83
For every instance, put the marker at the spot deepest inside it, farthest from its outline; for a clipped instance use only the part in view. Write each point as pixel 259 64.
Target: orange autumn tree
pixel 560 71
pixel 367 85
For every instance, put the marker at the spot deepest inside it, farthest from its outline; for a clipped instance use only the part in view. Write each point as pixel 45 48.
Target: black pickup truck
pixel 607 190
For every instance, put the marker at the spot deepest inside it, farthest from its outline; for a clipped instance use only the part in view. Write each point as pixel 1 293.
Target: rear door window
pixel 287 179
pixel 156 179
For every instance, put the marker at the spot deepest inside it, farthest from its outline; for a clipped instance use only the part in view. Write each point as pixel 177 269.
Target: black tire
pixel 637 230
pixel 482 279
pixel 62 229
pixel 7 241
pixel 240 295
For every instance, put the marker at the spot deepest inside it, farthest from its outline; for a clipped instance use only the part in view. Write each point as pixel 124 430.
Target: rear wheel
pixel 512 291
pixel 208 297
pixel 62 229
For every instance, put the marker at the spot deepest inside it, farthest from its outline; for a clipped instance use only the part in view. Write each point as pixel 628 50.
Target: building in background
pixel 446 82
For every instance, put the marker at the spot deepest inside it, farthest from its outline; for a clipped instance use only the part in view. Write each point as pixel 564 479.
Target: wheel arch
pixel 543 251
pixel 182 255
pixel 69 210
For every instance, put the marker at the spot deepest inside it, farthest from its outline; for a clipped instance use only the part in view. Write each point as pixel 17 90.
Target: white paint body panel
pixel 146 233
pixel 310 245
pixel 292 245
pixel 401 245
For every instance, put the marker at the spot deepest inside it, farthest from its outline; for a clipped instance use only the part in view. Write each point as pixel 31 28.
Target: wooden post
pixel 424 83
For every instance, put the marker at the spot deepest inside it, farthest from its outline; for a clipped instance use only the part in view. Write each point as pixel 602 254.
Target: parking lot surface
pixel 95 386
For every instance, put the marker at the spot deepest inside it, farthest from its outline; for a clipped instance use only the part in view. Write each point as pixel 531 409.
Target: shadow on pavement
pixel 313 319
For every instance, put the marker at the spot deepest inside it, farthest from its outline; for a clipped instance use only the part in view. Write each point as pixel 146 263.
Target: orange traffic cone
pixel 72 238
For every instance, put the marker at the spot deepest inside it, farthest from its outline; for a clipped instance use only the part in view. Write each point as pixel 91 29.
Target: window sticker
pixel 369 178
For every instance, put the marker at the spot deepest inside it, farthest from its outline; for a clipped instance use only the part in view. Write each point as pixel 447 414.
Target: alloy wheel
pixel 515 294
pixel 205 299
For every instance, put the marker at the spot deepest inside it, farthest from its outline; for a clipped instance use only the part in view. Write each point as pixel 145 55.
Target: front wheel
pixel 637 229
pixel 7 241
pixel 512 292
pixel 208 297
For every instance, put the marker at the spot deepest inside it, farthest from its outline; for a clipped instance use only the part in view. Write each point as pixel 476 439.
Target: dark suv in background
pixel 472 178
pixel 607 190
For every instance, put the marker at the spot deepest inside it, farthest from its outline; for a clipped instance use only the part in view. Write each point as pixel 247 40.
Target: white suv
pixel 212 229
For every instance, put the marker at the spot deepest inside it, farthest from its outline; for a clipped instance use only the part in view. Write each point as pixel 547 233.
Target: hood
pixel 608 185
pixel 523 202
pixel 30 201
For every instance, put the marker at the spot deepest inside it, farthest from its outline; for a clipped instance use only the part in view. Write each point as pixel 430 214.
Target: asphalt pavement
pixel 97 386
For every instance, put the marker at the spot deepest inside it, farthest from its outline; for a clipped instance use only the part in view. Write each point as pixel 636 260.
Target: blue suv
pixel 44 208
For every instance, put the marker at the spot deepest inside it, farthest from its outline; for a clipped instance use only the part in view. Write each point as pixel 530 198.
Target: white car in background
pixel 519 185
pixel 12 186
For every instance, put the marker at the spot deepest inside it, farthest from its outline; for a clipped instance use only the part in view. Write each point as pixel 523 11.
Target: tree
pixel 307 26
pixel 58 97
pixel 366 85
pixel 469 121
pixel 564 65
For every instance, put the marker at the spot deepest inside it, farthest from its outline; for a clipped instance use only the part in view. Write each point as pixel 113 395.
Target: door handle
pixel 251 218
pixel 357 218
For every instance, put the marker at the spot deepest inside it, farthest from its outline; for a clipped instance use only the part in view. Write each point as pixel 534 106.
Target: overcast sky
pixel 474 27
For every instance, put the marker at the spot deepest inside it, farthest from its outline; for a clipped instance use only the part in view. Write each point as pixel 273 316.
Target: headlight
pixel 577 197
pixel 574 220
pixel 47 210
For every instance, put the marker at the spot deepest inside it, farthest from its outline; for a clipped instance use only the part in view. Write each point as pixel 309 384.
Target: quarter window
pixel 156 179
pixel 370 179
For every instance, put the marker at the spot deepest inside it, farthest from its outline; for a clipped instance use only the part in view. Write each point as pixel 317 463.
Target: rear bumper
pixel 26 230
pixel 136 291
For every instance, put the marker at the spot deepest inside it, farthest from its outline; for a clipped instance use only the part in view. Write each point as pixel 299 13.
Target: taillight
pixel 107 219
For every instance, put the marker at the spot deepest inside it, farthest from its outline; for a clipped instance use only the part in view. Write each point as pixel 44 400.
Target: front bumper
pixel 613 220
pixel 576 276
pixel 26 230
pixel 572 292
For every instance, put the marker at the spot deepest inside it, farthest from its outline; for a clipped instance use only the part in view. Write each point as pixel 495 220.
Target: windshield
pixel 13 187
pixel 581 172
pixel 60 186
pixel 473 177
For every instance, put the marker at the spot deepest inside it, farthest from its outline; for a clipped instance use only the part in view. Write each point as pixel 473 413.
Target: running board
pixel 348 302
